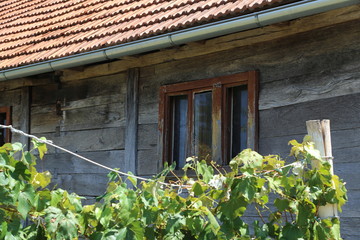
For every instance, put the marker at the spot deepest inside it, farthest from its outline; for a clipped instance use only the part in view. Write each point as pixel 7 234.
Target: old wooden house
pixel 134 83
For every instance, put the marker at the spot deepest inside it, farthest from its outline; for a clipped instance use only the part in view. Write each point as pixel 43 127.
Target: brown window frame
pixel 7 111
pixel 218 86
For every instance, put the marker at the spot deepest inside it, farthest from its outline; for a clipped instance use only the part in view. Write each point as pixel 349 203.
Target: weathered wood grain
pixel 16 121
pixel 148 162
pixel 292 57
pixel 148 113
pixel 10 98
pixel 88 140
pixel 348 172
pixel 78 90
pixel 351 208
pixel 86 184
pixel 148 136
pixel 24 82
pixel 131 132
pixel 90 117
pixel 349 229
pixel 343 112
pixel 318 85
pixel 81 103
pixel 25 115
pixel 65 163
pixel 346 154
pixel 341 139
pixel 297 69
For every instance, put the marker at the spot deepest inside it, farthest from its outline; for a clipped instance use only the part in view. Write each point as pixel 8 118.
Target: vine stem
pixel 259 213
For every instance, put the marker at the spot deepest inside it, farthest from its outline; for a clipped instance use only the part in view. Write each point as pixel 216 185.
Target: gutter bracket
pixel 105 55
pixel 258 21
pixel 172 43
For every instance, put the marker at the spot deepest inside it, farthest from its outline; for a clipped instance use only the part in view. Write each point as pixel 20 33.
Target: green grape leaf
pixel 40 179
pixel 132 179
pixel 137 229
pixel 17 146
pixel 26 198
pixel 281 204
pixel 246 186
pixel 249 159
pixel 233 208
pixel 197 189
pixel 215 227
pixel 205 170
pixel 41 147
pixel 291 232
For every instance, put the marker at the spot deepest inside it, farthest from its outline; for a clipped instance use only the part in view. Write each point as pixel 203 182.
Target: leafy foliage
pixel 214 203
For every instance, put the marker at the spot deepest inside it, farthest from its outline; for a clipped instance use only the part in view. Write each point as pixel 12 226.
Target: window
pixel 5 119
pixel 213 119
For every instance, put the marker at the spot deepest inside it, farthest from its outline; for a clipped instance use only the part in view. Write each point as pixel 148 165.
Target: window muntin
pixel 212 118
pixel 5 120
pixel 202 125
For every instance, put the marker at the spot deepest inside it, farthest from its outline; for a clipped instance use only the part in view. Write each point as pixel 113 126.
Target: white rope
pixel 50 143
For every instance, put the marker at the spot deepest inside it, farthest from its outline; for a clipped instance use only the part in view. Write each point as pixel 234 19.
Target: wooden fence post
pixel 320 135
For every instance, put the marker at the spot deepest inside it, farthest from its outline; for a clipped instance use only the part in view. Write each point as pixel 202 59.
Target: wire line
pixel 50 143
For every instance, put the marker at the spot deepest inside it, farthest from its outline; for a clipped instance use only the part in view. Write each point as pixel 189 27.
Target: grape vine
pixel 257 197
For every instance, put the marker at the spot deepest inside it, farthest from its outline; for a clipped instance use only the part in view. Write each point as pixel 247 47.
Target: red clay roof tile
pixel 32 31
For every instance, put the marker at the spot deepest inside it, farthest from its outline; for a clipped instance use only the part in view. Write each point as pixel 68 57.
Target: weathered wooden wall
pixel 309 69
pixel 92 123
pixel 312 75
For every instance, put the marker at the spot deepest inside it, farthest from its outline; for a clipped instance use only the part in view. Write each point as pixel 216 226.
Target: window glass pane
pixel 239 118
pixel 203 125
pixel 2 131
pixel 180 109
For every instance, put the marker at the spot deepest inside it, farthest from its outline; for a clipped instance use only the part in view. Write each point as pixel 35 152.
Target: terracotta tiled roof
pixel 38 30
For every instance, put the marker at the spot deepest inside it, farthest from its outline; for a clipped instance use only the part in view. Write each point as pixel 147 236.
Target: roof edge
pixel 242 23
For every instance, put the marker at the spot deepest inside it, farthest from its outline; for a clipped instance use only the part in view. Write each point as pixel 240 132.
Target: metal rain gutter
pixel 251 21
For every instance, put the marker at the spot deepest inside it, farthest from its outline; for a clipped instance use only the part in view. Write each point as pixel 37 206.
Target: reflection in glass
pixel 180 109
pixel 2 131
pixel 203 125
pixel 239 118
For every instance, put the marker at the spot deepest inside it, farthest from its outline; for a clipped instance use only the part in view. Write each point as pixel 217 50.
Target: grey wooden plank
pixel 149 112
pixel 131 140
pixel 10 98
pixel 91 117
pixel 149 162
pixel 84 184
pixel 65 163
pixel 309 87
pixel 346 154
pixel 88 140
pixel 25 115
pixel 16 122
pixel 297 55
pixel 351 208
pixel 81 103
pixel 349 228
pixel 348 172
pixel 77 90
pixel 343 113
pixel 148 136
pixel 342 140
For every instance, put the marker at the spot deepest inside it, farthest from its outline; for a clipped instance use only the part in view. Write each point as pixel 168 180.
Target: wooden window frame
pixel 218 86
pixel 7 111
